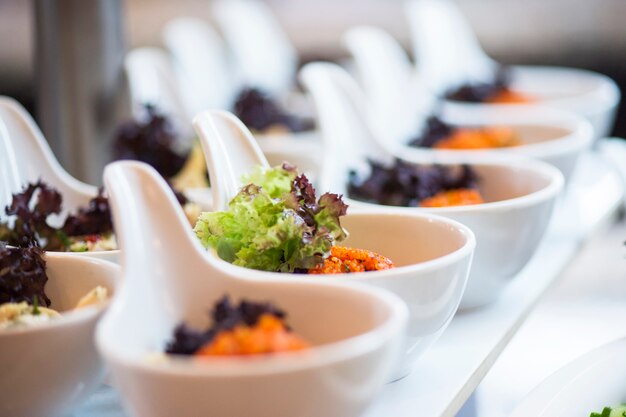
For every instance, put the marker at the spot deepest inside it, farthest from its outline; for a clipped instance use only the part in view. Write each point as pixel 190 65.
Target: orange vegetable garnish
pixel 459 197
pixel 342 260
pixel 491 137
pixel 268 335
pixel 506 96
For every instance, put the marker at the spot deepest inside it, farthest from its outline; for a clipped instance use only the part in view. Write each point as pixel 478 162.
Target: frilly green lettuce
pixel 275 223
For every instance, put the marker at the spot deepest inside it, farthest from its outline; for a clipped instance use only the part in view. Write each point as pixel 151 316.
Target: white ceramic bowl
pixel 520 195
pixel 433 257
pixel 49 369
pixel 588 384
pixel 357 331
pixel 25 157
pixel 555 137
pixel 591 95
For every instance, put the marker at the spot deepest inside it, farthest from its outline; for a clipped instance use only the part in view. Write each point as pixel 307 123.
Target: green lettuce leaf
pixel 275 223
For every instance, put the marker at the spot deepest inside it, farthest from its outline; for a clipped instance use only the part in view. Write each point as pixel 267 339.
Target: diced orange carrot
pixel 459 197
pixel 470 138
pixel 268 335
pixel 507 96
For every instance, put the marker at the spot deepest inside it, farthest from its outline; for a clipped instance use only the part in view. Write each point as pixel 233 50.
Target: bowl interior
pixel 530 134
pixel 555 83
pixel 70 278
pixel 406 240
pixel 498 182
pixel 322 313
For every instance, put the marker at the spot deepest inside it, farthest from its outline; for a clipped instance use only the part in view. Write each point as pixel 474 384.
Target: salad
pixel 619 411
pixel 154 140
pixel 276 223
pixel 89 229
pixel 440 135
pixel 407 185
pixel 260 113
pixel 496 92
pixel 245 329
pixel 23 301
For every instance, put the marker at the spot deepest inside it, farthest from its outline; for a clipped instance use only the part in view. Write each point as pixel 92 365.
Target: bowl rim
pixel 103 255
pixel 578 137
pixel 286 362
pixel 555 184
pixel 72 317
pixel 605 95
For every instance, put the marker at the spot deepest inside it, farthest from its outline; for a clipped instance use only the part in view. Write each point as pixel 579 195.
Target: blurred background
pixel 578 33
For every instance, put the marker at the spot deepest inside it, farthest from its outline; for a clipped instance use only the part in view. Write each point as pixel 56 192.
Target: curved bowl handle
pixel 25 156
pixel 152 231
pixel 230 151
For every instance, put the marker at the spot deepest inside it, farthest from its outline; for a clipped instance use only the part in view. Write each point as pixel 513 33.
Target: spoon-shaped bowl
pixel 50 368
pixel 26 157
pixel 556 137
pixel 448 54
pixel 431 271
pixel 349 361
pixel 248 24
pixel 152 80
pixel 588 384
pixel 200 63
pixel 519 193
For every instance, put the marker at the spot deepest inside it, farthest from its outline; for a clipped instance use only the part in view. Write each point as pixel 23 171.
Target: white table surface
pixel 454 367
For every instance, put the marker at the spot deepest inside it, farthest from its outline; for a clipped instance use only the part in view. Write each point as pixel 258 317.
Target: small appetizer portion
pixel 261 113
pixel 408 185
pixel 496 92
pixel 249 328
pixel 90 228
pixel 619 411
pixel 276 223
pixel 155 141
pixel 440 135
pixel 23 301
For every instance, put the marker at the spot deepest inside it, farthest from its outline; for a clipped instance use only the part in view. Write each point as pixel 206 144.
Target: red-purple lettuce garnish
pixel 22 275
pixel 31 209
pixel 433 132
pixel 406 185
pixel 481 92
pixel 152 141
pixel 225 316
pixel 259 111
pixel 94 219
pixel 275 223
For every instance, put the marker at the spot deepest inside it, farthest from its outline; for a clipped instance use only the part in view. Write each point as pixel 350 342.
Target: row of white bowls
pixel 431 277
